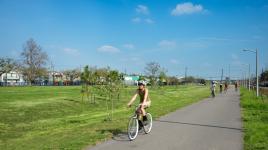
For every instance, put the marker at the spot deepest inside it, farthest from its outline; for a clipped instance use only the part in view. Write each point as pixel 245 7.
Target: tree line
pixel 34 61
pixel 33 64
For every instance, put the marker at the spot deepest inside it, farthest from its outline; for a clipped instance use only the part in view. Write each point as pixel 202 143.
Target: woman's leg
pixel 143 110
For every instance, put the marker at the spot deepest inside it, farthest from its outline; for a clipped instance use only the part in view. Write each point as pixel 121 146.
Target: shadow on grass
pixel 118 135
pixel 202 125
pixel 71 100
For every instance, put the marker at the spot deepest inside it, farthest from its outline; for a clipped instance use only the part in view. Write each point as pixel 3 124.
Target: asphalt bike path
pixel 211 124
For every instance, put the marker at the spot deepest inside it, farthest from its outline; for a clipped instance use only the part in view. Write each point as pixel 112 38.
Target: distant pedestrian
pixel 225 87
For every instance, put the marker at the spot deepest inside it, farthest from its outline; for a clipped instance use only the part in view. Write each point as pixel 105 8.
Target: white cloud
pixel 167 44
pixel 234 57
pixel 235 60
pixel 141 20
pixel 256 37
pixel 136 20
pixel 108 49
pixel 142 9
pixel 187 8
pixel 174 61
pixel 149 21
pixel 206 64
pixel 237 63
pixel 134 59
pixel 71 51
pixel 15 53
pixel 215 39
pixel 129 46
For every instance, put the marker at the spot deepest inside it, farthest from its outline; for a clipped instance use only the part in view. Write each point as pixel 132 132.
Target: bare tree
pixel 6 65
pixel 34 60
pixel 152 70
pixel 72 74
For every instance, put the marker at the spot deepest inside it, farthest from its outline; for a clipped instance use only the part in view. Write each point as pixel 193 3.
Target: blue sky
pixel 204 35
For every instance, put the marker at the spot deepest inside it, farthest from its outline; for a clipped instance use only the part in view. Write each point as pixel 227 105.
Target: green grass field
pixel 255 121
pixel 56 118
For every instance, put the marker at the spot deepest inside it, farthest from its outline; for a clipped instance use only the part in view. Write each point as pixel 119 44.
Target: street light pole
pixel 249 77
pixel 257 76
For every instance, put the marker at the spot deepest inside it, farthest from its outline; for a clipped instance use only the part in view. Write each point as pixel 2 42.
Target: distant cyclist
pixel 221 88
pixel 236 85
pixel 225 87
pixel 213 88
pixel 145 101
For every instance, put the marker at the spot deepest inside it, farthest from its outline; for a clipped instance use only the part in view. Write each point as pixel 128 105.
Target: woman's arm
pixel 145 96
pixel 133 99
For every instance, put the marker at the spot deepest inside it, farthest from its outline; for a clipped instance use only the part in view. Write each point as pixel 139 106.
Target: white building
pixel 131 80
pixel 12 78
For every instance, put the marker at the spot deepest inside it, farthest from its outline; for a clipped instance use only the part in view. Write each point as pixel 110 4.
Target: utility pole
pixel 221 75
pixel 229 74
pixel 52 68
pixel 249 77
pixel 186 73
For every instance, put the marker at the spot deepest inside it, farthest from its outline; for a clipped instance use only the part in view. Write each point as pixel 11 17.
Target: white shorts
pixel 147 104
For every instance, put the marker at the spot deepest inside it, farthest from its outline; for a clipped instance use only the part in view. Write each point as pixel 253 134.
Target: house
pixel 131 80
pixel 12 78
pixel 59 78
pixel 55 78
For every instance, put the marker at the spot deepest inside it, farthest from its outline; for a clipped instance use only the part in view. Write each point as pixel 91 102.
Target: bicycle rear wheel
pixel 133 128
pixel 148 123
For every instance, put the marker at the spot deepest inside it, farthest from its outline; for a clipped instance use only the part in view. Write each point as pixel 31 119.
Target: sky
pixel 205 36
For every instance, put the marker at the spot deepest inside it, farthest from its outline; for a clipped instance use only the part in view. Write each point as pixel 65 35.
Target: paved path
pixel 211 124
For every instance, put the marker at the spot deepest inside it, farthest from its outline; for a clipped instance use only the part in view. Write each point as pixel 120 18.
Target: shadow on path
pixel 202 125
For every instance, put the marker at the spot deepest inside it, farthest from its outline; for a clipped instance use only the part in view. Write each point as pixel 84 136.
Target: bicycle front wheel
pixel 133 128
pixel 148 123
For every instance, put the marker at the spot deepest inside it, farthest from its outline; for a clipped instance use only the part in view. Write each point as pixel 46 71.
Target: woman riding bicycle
pixel 145 101
pixel 213 88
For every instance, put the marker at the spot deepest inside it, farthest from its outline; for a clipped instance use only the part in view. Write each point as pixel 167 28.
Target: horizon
pixel 204 36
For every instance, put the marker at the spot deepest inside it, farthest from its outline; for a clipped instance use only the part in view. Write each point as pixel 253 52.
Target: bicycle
pixel 135 124
pixel 213 93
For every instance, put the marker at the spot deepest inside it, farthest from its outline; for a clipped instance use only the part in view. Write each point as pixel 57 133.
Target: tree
pixel 264 76
pixel 163 76
pixel 173 80
pixel 72 74
pixel 6 65
pixel 190 79
pixel 203 81
pixel 85 77
pixel 152 69
pixel 34 60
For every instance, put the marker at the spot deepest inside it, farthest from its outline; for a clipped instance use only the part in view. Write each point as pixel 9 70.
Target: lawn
pixel 56 118
pixel 255 120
